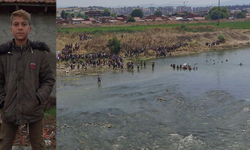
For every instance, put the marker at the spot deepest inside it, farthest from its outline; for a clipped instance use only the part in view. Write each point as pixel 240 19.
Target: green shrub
pixel 114 45
pixel 131 19
pixel 81 61
pixel 222 38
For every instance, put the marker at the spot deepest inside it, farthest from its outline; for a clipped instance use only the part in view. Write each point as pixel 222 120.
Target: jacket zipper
pixel 18 102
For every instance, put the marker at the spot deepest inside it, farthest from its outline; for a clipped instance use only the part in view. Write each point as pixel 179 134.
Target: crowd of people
pixel 76 60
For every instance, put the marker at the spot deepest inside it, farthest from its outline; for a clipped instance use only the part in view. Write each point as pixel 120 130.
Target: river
pixel 160 108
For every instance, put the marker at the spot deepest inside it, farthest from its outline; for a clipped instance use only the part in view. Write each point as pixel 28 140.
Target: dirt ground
pixel 22 139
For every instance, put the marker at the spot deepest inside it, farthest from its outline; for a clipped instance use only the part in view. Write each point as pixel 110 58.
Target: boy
pixel 26 81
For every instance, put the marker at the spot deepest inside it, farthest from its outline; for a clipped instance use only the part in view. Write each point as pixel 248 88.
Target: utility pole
pixel 185 2
pixel 218 13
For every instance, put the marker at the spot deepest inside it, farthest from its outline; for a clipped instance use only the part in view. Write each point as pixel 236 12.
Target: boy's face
pixel 20 28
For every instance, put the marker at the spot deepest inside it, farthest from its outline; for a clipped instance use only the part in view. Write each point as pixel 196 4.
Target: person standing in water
pixel 153 64
pixel 99 79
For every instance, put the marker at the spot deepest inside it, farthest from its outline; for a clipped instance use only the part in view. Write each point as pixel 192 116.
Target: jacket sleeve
pixel 2 82
pixel 46 80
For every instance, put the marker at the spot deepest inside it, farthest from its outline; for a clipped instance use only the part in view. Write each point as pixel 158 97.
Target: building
pixel 75 20
pixel 61 21
pixel 104 19
pixel 92 20
pixel 178 18
pixel 86 22
pixel 166 10
pixel 94 13
pixel 148 20
pixel 201 9
pixel 138 19
pixel 151 17
pixel 158 19
pixel 183 8
pixel 192 15
pixel 199 18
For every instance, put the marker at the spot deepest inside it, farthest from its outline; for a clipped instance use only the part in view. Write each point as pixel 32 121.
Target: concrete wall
pixel 43 29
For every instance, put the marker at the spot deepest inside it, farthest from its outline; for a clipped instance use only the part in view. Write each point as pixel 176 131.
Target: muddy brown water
pixel 159 108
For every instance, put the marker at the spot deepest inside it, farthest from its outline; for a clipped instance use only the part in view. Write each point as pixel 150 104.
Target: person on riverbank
pixel 26 81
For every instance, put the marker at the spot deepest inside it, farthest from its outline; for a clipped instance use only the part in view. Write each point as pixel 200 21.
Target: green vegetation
pixel 158 13
pixel 186 28
pixel 51 112
pixel 114 45
pixel 240 15
pixel 199 29
pixel 106 12
pixel 136 28
pixel 64 14
pixel 114 15
pixel 222 38
pixel 244 11
pixel 85 17
pixel 137 13
pixel 131 19
pixel 214 12
pixel 79 15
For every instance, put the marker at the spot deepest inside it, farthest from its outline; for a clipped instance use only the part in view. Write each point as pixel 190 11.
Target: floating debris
pixel 110 126
pixel 161 99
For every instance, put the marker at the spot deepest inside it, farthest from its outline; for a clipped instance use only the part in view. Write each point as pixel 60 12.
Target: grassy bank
pixel 135 28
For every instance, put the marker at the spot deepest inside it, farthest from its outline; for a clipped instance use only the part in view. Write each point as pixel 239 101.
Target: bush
pixel 131 19
pixel 186 28
pixel 114 45
pixel 81 61
pixel 222 38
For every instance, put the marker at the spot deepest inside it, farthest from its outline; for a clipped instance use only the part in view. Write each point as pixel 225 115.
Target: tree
pixel 63 13
pixel 79 15
pixel 72 14
pixel 113 15
pixel 240 15
pixel 106 12
pixel 244 11
pixel 86 17
pixel 131 19
pixel 114 45
pixel 214 12
pixel 137 13
pixel 158 13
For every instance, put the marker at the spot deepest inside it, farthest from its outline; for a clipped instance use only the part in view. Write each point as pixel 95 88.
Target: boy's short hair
pixel 21 13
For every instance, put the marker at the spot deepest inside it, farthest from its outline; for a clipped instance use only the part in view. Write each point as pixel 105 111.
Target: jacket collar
pixel 20 48
pixel 10 46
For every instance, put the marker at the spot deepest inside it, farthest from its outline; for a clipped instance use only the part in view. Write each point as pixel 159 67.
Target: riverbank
pixel 63 71
pixel 196 37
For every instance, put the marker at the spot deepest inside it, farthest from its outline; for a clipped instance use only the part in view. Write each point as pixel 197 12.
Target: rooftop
pixel 29 1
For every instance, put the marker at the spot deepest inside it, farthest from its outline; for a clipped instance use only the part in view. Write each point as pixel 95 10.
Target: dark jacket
pixel 26 77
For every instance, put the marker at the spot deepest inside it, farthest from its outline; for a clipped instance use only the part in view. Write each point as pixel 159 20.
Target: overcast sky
pixel 121 3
